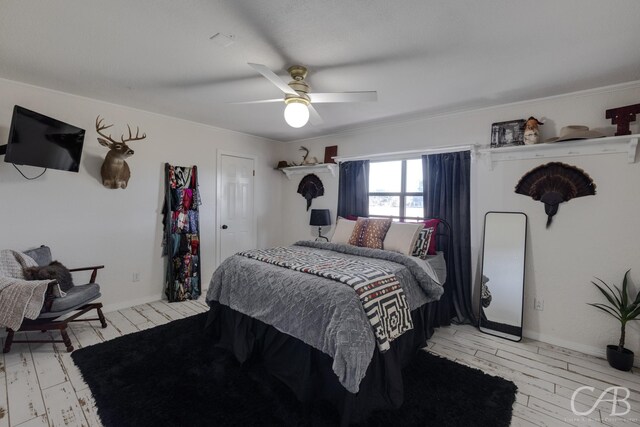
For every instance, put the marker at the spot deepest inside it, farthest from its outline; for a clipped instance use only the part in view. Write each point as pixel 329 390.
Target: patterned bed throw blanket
pixel 379 290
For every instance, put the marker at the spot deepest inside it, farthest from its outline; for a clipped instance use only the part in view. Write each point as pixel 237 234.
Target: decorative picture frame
pixel 329 153
pixel 506 134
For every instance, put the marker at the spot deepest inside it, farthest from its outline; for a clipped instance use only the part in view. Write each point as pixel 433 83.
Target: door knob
pixel 224 227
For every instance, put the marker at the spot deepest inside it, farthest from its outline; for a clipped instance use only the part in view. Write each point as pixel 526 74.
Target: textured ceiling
pixel 422 56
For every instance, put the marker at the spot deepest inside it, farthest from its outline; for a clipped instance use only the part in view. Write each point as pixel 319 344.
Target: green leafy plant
pixel 620 305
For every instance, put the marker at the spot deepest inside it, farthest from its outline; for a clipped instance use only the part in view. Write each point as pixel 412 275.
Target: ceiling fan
pixel 298 98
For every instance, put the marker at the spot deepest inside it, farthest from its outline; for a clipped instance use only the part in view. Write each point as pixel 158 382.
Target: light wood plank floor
pixel 40 385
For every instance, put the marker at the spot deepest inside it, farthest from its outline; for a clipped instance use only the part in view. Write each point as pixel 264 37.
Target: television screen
pixel 38 140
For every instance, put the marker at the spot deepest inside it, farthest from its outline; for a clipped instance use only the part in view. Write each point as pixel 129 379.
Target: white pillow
pixel 401 237
pixel 344 229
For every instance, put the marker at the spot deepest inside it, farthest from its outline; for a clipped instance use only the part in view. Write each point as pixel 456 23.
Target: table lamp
pixel 320 218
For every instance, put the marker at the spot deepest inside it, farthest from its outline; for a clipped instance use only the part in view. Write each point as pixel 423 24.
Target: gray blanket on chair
pixel 19 298
pixel 323 313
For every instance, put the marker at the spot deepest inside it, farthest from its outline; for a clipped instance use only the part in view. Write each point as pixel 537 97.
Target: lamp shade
pixel 296 114
pixel 320 217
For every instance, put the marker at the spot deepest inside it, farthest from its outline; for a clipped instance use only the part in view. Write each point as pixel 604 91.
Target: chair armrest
pixel 95 269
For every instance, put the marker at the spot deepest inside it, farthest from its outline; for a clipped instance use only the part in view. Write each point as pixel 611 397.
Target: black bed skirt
pixel 308 372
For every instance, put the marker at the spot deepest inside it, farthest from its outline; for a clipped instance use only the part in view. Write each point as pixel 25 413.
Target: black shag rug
pixel 170 376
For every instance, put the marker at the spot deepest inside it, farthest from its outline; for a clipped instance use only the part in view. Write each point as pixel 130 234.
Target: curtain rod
pixel 401 155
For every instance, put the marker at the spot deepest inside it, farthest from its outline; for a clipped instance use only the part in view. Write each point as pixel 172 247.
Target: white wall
pixel 87 224
pixel 295 217
pixel 590 236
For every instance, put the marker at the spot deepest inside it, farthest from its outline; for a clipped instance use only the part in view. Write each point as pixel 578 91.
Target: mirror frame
pixel 524 258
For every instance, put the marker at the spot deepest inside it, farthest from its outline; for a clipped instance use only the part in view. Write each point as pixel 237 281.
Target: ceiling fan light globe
pixel 296 114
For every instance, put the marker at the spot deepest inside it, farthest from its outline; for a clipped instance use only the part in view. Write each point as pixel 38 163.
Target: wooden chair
pixel 78 301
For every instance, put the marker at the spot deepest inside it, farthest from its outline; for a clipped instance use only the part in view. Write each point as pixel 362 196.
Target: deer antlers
pixel 100 127
pixel 306 154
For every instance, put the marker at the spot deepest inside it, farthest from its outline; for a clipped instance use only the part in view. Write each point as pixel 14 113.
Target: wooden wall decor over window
pixel 555 183
pixel 622 117
pixel 182 233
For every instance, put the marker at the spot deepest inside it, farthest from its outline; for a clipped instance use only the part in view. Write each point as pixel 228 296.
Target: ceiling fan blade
pixel 273 78
pixel 262 101
pixel 314 117
pixel 320 97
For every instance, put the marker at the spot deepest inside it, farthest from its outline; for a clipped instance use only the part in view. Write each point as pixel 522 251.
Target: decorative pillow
pixel 370 233
pixel 401 237
pixel 41 255
pixel 55 271
pixel 421 248
pixel 343 231
pixel 432 223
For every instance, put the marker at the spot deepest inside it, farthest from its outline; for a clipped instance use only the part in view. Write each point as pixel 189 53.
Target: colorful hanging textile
pixel 181 238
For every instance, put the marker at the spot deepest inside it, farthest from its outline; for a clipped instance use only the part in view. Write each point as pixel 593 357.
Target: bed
pixel 313 333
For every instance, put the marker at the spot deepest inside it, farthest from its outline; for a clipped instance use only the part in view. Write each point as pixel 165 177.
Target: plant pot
pixel 621 360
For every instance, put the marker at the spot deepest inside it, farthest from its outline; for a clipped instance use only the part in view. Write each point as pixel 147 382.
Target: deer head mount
pixel 115 170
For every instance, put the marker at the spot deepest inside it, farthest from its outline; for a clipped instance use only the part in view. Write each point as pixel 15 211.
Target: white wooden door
pixel 236 219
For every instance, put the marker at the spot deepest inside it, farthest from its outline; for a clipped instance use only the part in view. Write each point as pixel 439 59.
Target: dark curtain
pixel 446 191
pixel 353 189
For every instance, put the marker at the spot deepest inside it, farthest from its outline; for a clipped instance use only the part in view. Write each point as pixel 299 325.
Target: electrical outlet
pixel 538 304
pixel 136 277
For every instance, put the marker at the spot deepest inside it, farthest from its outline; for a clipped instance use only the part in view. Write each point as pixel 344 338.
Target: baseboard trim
pixel 582 348
pixel 131 303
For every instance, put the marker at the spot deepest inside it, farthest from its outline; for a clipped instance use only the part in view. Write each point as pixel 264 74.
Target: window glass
pixel 384 205
pixel 413 207
pixel 385 177
pixel 395 189
pixel 414 176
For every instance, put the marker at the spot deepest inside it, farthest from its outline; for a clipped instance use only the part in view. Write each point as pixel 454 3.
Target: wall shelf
pixel 614 144
pixel 305 169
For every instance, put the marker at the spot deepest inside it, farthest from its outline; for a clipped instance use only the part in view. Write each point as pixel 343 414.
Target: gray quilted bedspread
pixel 321 312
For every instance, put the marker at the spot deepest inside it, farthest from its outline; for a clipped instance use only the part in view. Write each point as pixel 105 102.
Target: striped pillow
pixel 370 233
pixel 432 223
pixel 421 249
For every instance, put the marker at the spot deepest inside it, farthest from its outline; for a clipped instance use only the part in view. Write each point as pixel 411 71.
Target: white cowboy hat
pixel 575 132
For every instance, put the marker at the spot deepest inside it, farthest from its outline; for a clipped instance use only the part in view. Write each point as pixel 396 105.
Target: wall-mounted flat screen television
pixel 38 140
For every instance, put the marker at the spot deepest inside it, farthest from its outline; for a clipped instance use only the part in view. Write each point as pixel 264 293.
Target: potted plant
pixel 624 309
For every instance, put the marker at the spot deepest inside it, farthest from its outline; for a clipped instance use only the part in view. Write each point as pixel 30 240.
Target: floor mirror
pixel 502 286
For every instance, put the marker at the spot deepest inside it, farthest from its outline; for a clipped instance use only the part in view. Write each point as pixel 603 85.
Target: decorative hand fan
pixel 555 183
pixel 310 187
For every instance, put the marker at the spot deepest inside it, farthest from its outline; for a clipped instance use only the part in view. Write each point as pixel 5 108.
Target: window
pixel 395 190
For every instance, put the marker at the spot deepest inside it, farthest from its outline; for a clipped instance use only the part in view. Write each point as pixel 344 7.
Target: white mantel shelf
pixel 305 169
pixel 584 147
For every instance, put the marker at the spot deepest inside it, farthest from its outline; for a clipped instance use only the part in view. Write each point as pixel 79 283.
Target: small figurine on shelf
pixel 531 132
